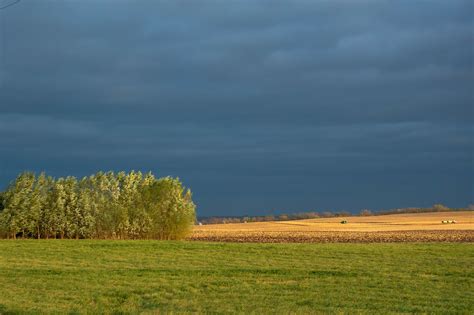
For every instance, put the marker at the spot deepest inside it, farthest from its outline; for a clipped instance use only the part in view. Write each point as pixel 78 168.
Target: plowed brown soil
pixel 417 227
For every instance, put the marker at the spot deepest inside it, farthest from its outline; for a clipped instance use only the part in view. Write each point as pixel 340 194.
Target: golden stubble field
pixel 413 227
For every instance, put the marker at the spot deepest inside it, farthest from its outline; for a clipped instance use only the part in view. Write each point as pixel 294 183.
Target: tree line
pixel 324 214
pixel 272 217
pixel 101 206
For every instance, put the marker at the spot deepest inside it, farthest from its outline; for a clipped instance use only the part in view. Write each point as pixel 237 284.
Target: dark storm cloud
pixel 257 105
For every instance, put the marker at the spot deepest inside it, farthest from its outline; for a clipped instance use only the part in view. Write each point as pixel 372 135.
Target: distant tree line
pixel 265 218
pixel 323 214
pixel 103 206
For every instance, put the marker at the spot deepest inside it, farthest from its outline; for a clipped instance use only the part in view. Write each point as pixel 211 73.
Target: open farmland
pixel 414 227
pixel 115 277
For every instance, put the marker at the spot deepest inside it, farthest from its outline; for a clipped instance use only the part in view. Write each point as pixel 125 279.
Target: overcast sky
pixel 258 106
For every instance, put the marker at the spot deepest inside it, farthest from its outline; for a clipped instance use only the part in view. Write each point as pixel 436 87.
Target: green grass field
pixel 152 276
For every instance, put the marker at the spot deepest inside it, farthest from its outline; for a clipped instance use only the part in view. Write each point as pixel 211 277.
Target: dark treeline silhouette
pixel 323 214
pixel 104 205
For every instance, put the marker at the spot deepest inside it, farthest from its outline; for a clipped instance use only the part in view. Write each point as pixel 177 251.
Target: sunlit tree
pixel 103 205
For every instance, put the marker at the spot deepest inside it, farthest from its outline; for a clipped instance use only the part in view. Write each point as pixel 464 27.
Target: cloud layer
pixel 259 106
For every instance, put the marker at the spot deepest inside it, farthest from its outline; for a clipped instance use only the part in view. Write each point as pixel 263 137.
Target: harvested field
pixel 416 227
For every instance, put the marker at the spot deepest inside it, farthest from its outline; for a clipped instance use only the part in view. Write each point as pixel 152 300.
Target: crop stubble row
pixel 334 236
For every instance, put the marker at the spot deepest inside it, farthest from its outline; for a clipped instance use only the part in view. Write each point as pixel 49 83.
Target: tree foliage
pixel 104 205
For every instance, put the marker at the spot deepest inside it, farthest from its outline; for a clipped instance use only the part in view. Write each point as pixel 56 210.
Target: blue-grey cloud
pixel 257 105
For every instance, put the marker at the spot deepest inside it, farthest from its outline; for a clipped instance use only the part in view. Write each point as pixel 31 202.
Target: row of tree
pixel 323 214
pixel 271 217
pixel 104 205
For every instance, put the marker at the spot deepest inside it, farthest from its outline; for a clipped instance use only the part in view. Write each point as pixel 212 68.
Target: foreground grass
pixel 151 276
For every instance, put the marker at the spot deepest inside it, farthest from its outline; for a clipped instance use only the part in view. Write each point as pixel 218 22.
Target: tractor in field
pixel 448 221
